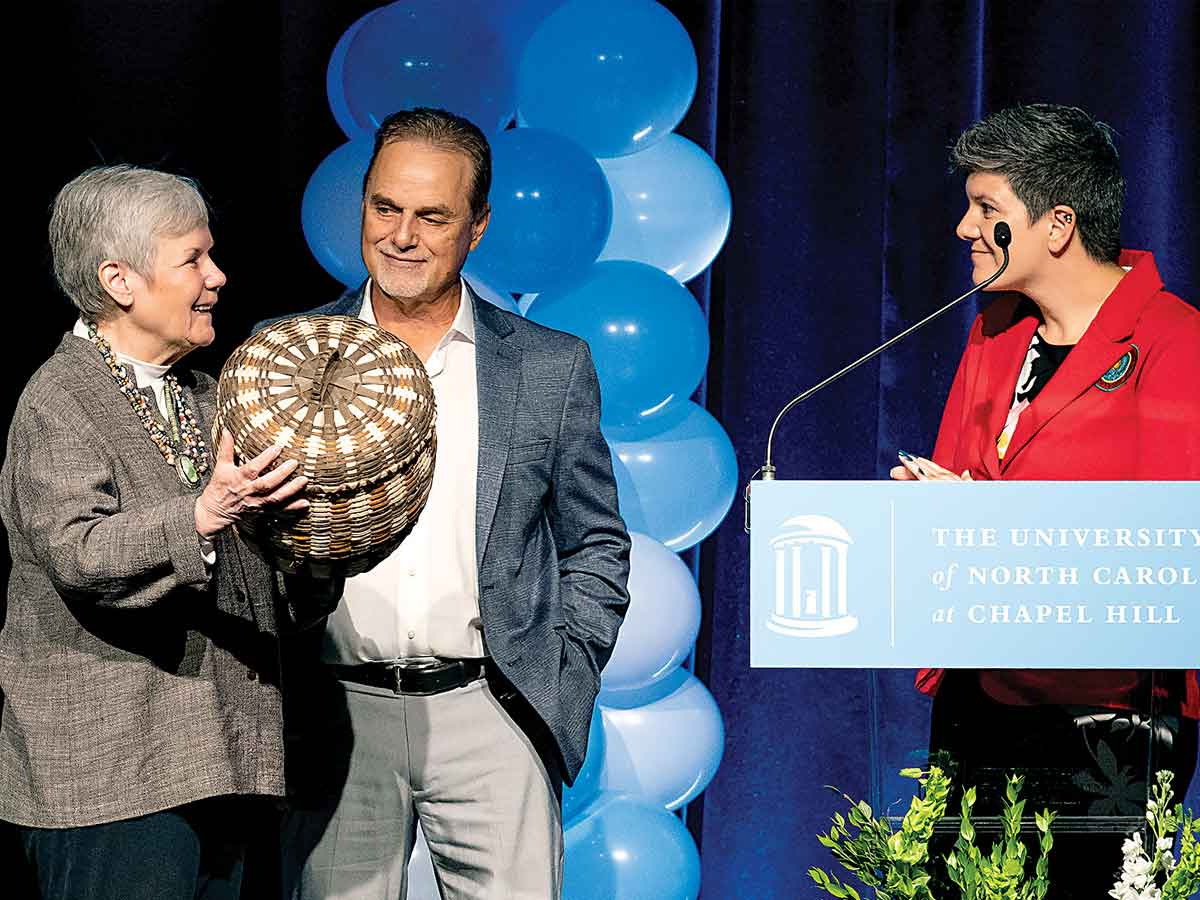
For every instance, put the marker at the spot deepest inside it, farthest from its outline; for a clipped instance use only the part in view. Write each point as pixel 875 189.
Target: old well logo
pixel 810 578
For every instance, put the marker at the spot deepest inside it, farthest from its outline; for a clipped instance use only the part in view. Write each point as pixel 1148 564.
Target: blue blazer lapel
pixel 497 375
pixel 349 304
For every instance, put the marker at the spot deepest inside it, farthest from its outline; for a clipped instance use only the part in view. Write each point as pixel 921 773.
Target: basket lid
pixel 349 401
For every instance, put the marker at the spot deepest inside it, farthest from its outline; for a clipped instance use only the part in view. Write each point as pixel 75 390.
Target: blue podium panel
pixel 1025 574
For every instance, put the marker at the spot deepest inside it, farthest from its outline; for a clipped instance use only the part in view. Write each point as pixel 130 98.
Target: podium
pixel 983 577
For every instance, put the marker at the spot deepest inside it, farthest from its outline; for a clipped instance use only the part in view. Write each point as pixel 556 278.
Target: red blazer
pixel 1124 406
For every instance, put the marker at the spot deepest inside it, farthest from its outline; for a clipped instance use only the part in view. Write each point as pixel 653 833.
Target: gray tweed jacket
pixel 135 679
pixel 552 549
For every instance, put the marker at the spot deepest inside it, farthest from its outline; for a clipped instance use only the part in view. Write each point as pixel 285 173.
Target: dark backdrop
pixel 830 120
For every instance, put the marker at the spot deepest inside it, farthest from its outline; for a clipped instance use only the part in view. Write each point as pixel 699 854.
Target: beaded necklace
pixel 184 447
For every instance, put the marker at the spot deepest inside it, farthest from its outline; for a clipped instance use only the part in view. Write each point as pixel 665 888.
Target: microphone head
pixel 1002 235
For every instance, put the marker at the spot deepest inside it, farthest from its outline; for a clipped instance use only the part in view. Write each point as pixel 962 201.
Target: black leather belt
pixel 425 676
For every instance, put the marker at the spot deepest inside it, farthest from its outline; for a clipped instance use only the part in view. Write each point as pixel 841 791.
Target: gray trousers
pixel 458 764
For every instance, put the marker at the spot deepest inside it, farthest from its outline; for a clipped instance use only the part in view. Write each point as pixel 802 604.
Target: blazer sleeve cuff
pixel 179 531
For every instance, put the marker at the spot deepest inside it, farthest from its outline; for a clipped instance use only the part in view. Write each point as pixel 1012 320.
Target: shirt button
pixel 412 635
pixel 412 572
pixel 251 675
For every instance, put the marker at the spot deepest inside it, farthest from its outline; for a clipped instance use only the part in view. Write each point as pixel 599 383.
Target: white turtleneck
pixel 144 374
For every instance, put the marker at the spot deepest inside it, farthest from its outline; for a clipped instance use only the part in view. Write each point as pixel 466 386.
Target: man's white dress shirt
pixel 423 600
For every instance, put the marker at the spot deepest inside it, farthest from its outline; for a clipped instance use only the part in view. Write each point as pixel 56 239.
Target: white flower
pixel 1166 843
pixel 1132 845
pixel 1135 882
pixel 1128 892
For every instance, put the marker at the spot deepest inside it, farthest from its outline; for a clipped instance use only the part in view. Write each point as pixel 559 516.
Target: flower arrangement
pixel 1161 876
pixel 895 865
pixel 891 862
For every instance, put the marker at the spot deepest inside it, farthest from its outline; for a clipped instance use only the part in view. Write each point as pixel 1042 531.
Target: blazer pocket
pixel 528 452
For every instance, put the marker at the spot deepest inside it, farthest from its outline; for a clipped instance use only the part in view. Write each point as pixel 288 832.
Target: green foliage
pixel 891 863
pixel 894 865
pixel 1184 880
pixel 1000 875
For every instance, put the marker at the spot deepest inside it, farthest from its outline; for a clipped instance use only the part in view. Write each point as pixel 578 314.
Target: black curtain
pixel 831 122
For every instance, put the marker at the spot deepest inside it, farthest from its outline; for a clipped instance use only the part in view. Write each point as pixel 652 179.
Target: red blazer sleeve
pixel 945 453
pixel 947 449
pixel 1168 438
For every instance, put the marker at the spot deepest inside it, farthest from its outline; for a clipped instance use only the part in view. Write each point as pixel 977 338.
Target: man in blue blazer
pixel 456 681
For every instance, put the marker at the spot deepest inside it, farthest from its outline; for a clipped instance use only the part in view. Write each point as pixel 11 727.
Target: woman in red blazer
pixel 1083 369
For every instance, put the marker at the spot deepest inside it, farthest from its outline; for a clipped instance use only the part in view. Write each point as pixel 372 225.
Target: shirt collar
pixel 462 327
pixel 144 373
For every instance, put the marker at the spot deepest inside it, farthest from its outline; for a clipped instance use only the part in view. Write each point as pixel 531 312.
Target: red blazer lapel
pixel 1101 347
pixel 1007 355
pixel 1094 355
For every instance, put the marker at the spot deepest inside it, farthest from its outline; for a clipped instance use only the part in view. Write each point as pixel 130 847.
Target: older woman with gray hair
pixel 139 658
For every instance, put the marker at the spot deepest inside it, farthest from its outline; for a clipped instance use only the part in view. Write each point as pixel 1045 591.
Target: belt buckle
pixel 397 675
pixel 427 676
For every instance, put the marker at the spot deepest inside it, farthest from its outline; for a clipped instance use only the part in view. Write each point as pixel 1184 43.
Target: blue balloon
pixel 671 207
pixel 663 619
pixel 627 499
pixel 335 86
pixel 551 213
pixel 331 211
pixel 665 751
pixel 684 476
pixel 575 799
pixel 622 849
pixel 648 337
pixel 634 697
pixel 497 298
pixel 614 75
pixel 418 53
pixel 517 20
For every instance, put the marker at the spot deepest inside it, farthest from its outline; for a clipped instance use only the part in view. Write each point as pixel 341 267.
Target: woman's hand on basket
pixel 236 491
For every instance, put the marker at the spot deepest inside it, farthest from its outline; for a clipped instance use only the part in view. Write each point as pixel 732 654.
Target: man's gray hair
pixel 1050 155
pixel 118 213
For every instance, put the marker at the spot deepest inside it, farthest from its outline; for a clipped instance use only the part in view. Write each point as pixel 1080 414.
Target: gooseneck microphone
pixel 1001 236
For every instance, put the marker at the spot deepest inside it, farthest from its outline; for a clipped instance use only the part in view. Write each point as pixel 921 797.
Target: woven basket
pixel 353 405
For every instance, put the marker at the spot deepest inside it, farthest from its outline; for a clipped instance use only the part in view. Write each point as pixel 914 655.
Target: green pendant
pixel 186 470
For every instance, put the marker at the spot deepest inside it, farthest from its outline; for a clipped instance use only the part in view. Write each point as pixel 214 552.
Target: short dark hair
pixel 445 131
pixel 1050 155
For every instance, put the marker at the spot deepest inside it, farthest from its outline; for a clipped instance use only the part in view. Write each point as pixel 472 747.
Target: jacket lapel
pixel 497 375
pixel 1007 356
pixel 1102 345
pixel 148 393
pixel 349 304
pixel 1090 358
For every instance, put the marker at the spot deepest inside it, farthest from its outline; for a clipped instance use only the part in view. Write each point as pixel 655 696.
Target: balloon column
pixel 600 213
